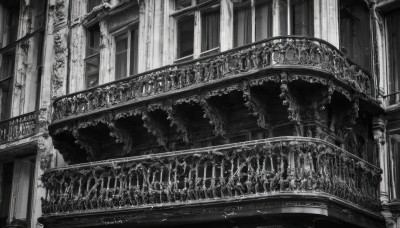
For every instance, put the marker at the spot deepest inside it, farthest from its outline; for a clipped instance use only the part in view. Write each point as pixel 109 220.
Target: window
pixel 39 7
pixel 198 28
pixel 10 18
pixel 6 82
pixel 209 30
pixel 6 176
pixel 244 21
pixel 394 146
pixel 92 61
pixel 185 36
pixel 355 32
pixel 393 37
pixel 92 3
pixel 296 17
pixel 126 51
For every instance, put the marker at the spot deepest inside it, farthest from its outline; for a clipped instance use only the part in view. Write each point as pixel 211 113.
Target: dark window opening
pixel 6 82
pixel 264 12
pixel 185 36
pixel 242 25
pixel 393 30
pixel 355 32
pixel 209 30
pixel 92 61
pixel 302 17
pixel 6 191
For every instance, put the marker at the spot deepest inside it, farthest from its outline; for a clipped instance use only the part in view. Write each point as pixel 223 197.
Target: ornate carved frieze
pixel 250 169
pixel 316 55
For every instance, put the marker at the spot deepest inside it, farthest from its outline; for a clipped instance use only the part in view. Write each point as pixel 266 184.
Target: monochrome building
pixel 201 113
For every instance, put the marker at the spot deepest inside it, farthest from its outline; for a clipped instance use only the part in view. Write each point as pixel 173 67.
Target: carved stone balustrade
pixel 296 53
pixel 253 169
pixel 19 127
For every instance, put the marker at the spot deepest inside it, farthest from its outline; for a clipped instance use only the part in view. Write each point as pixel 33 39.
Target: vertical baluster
pixel 222 178
pixel 205 179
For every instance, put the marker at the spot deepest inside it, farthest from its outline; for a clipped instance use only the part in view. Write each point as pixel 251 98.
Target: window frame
pixel 10 79
pixel 91 57
pixel 392 97
pixel 127 31
pixel 196 10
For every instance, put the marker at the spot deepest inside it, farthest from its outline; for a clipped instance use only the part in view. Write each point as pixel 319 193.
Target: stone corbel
pixel 289 100
pixel 258 107
pixel 156 128
pixel 216 116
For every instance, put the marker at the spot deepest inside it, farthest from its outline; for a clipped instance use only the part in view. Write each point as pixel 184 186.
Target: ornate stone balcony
pixel 19 127
pixel 259 171
pixel 326 64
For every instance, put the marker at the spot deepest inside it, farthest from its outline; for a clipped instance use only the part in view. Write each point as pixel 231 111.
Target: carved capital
pixel 289 100
pixel 121 135
pixel 179 122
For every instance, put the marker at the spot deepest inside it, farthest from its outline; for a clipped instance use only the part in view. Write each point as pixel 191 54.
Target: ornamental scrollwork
pixel 247 169
pixel 233 64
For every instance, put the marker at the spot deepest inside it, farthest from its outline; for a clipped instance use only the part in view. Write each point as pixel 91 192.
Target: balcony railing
pixel 276 52
pixel 19 127
pixel 233 171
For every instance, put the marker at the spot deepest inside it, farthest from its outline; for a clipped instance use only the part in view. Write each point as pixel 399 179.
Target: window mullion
pixel 197 34
pixel 253 21
pixel 128 54
pixel 289 18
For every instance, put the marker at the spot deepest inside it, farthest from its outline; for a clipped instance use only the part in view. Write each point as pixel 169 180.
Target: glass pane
pixel 6 191
pixel 395 162
pixel 242 25
pixel 121 56
pixel 263 19
pixel 134 52
pixel 283 17
pixel 302 17
pixel 93 44
pixel 185 36
pixel 181 4
pixel 7 65
pixel 355 32
pixel 393 28
pixel 92 71
pixel 5 96
pixel 209 30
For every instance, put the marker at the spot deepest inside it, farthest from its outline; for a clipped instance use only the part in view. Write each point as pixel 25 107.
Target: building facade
pixel 220 113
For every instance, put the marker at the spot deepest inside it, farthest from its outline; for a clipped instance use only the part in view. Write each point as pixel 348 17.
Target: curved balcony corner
pixel 260 171
pixel 277 53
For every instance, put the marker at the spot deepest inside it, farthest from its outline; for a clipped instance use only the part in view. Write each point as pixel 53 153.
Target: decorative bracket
pixel 121 135
pixel 177 120
pixel 257 106
pixel 351 117
pixel 215 115
pixel 87 142
pixel 155 127
pixel 289 100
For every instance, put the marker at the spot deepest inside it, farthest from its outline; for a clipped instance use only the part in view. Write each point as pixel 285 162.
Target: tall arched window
pixel 355 37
